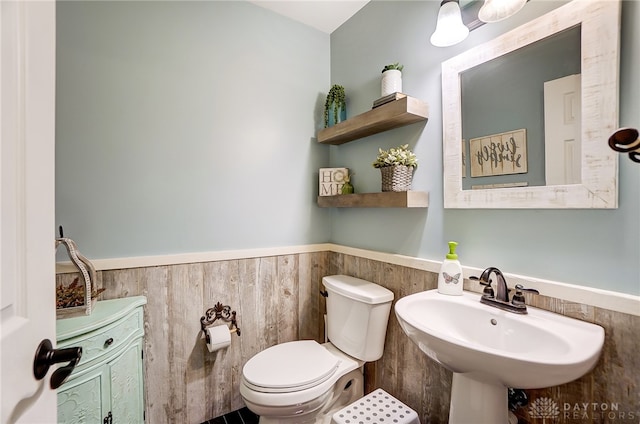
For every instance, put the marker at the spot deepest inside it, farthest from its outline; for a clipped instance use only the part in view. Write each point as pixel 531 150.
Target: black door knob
pixel 47 356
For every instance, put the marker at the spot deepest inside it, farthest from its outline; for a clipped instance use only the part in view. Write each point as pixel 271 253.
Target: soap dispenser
pixel 450 277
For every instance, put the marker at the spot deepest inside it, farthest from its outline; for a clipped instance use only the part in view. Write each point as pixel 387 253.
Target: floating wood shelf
pixel 387 199
pixel 397 113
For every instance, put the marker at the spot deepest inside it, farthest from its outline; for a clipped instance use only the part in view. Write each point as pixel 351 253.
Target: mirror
pixel 509 105
pixel 478 135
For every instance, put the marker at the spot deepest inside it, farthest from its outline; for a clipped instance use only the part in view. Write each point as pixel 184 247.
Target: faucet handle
pixel 518 297
pixel 521 288
pixel 488 290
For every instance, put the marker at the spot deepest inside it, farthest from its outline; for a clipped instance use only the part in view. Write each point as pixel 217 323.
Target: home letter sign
pixel 331 180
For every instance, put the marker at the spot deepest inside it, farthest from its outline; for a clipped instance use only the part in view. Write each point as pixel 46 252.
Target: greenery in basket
pixel 73 294
pixel 400 155
pixel 338 98
pixel 391 66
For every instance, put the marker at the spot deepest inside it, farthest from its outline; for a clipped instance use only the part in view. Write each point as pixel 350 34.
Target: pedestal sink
pixel 489 350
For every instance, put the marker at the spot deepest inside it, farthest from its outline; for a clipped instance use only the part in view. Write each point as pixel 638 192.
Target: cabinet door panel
pixel 80 400
pixel 127 402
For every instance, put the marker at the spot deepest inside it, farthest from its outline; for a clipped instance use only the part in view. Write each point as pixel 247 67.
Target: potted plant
pixel 396 165
pixel 391 79
pixel 335 106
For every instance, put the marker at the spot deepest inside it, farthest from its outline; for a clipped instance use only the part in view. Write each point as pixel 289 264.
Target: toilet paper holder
pixel 222 312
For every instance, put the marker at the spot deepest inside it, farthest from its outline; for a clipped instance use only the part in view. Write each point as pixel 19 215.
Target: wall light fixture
pixel 454 23
pixel 497 10
pixel 449 28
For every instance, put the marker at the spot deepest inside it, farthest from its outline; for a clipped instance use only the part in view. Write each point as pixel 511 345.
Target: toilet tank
pixel 357 315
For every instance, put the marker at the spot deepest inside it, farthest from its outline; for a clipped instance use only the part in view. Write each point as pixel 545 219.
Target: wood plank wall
pixel 277 300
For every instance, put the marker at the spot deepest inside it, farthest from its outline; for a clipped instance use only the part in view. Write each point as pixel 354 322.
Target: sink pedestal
pixel 477 402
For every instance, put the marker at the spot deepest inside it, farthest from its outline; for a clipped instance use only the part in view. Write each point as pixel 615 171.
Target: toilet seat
pixel 290 398
pixel 290 367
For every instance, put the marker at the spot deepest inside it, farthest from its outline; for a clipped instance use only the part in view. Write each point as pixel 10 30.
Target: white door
pixel 27 227
pixel 562 126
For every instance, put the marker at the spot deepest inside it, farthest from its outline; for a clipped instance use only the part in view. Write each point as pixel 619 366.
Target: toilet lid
pixel 290 366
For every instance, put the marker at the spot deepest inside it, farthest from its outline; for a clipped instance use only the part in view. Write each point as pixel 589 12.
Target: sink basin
pixel 489 350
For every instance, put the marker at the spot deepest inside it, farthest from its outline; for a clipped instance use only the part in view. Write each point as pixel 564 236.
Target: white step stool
pixel 378 407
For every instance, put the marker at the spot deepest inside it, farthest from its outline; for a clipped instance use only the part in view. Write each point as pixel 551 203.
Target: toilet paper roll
pixel 219 337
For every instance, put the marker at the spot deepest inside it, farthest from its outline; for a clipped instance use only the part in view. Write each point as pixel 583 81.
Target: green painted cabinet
pixel 107 384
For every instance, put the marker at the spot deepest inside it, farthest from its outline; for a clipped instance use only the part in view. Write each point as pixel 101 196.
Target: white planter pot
pixel 391 82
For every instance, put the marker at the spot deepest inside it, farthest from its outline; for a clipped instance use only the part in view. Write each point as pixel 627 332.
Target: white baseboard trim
pixel 615 301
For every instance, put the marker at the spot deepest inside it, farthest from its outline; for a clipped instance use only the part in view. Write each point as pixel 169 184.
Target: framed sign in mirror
pixel 542 148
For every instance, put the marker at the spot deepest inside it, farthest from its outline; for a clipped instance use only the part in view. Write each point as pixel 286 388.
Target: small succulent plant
pixel 395 66
pixel 336 99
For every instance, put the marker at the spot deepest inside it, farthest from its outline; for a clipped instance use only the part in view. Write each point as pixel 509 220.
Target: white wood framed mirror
pixel 595 183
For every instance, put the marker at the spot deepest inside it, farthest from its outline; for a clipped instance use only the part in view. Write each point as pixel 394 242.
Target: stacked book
pixel 388 98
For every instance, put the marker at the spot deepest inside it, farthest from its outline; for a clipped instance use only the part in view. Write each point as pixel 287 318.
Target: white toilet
pixel 306 382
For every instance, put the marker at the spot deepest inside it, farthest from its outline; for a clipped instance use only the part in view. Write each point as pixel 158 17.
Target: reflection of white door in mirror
pixel 562 130
pixel 593 181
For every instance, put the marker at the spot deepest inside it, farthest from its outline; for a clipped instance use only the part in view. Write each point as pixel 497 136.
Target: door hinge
pixel 142 354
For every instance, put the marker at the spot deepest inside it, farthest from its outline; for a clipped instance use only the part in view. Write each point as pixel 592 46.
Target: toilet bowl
pixel 319 378
pixel 304 381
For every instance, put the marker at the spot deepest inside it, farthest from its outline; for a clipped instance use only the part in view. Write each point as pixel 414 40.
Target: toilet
pixel 306 382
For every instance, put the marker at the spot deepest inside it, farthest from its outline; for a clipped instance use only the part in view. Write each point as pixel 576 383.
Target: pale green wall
pixel 187 127
pixel 596 248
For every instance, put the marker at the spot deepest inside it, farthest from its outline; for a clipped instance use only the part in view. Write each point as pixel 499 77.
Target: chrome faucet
pixel 501 297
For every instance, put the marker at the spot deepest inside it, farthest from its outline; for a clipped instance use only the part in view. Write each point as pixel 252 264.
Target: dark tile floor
pixel 241 416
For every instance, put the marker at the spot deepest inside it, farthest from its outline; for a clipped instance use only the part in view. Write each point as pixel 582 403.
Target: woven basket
pixel 396 178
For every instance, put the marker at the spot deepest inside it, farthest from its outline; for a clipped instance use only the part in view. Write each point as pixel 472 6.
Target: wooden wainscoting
pixel 277 300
